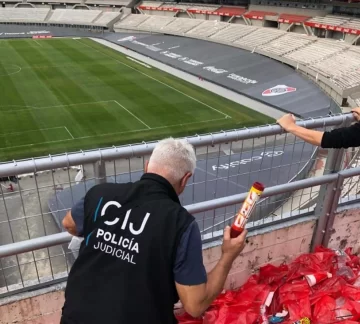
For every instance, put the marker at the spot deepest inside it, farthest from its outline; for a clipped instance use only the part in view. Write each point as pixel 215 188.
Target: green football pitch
pixel 62 95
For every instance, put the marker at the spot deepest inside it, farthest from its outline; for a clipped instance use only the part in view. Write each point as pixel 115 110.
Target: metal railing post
pixel 327 194
pixel 324 208
pixel 99 172
pixel 336 193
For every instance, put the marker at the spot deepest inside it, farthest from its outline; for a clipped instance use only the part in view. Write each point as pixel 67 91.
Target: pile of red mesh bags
pixel 321 287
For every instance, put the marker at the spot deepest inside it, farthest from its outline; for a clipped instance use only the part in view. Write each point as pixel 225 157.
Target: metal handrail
pixel 128 151
pixel 61 238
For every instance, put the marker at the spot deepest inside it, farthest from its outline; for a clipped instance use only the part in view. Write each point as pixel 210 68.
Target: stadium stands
pixel 336 23
pixel 155 23
pixel 106 17
pixel 341 63
pixel 352 23
pixel 337 61
pixel 195 8
pixel 232 33
pixel 287 43
pixel 207 28
pixel 258 38
pixel 329 20
pixel 152 4
pixel 106 2
pixel 347 80
pixel 316 51
pixel 182 25
pixel 356 99
pixel 77 16
pixel 23 14
pixel 68 16
pixel 131 21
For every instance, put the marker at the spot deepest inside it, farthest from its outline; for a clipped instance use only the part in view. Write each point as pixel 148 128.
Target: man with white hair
pixel 142 250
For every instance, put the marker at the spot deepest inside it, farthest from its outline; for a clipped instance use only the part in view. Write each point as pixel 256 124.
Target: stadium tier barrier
pixel 34 252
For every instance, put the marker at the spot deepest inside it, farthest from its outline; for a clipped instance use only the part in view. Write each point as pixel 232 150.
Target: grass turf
pixel 63 95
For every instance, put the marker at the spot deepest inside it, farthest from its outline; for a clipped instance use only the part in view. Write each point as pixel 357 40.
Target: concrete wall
pixel 213 17
pixel 200 16
pixel 346 230
pixel 349 38
pixel 284 27
pixel 256 22
pixel 265 246
pixel 42 309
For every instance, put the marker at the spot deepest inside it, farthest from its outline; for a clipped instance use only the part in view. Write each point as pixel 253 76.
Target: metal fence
pixel 33 248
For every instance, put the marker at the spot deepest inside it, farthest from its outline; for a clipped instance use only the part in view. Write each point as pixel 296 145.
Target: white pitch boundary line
pixel 132 114
pixel 34 67
pixel 148 128
pixel 37 42
pixel 190 123
pixel 30 131
pixel 69 132
pixel 40 143
pixel 220 112
pixel 49 107
pixel 115 133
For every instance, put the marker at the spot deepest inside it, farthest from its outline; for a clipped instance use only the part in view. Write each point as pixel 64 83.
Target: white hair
pixel 175 157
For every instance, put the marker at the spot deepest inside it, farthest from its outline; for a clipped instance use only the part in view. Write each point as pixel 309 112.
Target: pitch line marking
pixel 69 132
pixel 132 114
pixel 220 112
pixel 37 42
pixel 30 131
pixel 49 107
pixel 12 73
pixel 115 133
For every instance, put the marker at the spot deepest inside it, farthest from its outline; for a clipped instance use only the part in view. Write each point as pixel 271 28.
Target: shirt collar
pixel 164 184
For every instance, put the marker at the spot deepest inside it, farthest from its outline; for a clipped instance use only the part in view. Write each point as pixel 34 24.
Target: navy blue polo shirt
pixel 189 269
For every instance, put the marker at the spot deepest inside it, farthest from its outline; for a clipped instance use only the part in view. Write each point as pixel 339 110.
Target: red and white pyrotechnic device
pixel 246 209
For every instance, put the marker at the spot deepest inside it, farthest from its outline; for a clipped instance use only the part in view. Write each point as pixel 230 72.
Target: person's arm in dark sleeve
pixel 196 289
pixel 73 221
pixel 342 137
pixel 189 268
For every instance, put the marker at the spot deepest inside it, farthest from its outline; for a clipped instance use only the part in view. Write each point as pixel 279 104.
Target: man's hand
pixel 287 122
pixel 356 113
pixel 231 248
pixel 196 299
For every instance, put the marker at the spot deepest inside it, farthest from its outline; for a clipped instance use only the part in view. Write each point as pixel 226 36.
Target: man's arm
pixel 343 137
pixel 69 224
pixel 313 137
pixel 73 221
pixel 197 298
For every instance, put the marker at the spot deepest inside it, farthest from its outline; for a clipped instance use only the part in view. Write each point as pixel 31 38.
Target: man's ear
pixel 146 166
pixel 185 179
